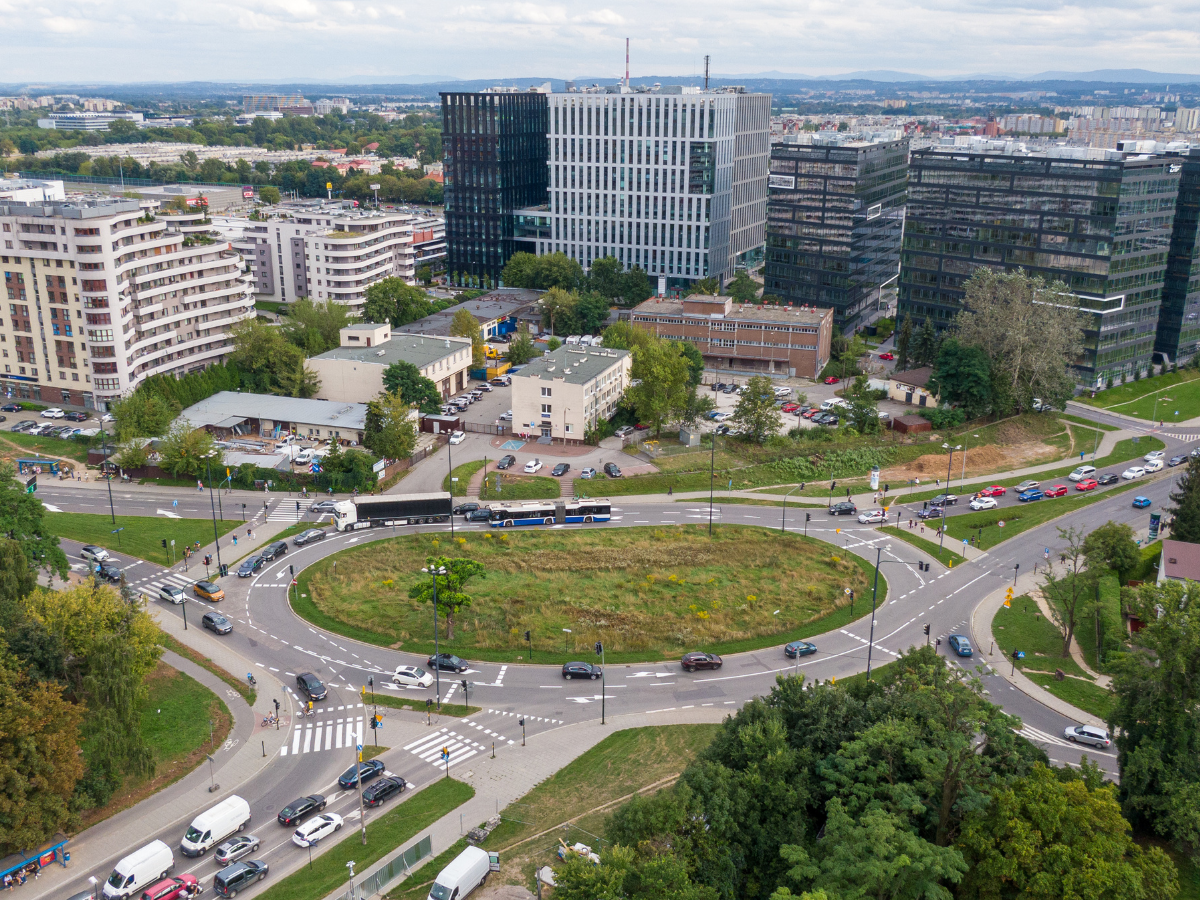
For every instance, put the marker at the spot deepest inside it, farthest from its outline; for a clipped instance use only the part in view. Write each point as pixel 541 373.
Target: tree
pixel 389 429
pixel 636 287
pixel 315 327
pixel 405 380
pixel 756 415
pixel 262 355
pixel 1112 546
pixel 21 521
pixel 962 377
pixel 1048 835
pixel 863 411
pixel 184 451
pixel 925 350
pixel 425 275
pixel 143 414
pixel 624 336
pixel 698 405
pixel 542 272
pixel 133 453
pixel 394 300
pixel 695 362
pixel 558 306
pixel 661 372
pixel 521 349
pixel 708 286
pixel 450 594
pixel 742 288
pixel 1031 332
pixel 300 381
pixel 606 277
pixel 1185 522
pixel 1068 593
pixel 904 343
pixel 465 325
pixel 591 312
pixel 40 761
pixel 269 194
pixel 553 344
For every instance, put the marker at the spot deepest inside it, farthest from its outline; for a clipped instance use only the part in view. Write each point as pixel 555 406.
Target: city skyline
pixel 279 40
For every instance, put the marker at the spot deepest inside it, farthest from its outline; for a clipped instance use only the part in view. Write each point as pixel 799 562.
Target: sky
pixel 245 40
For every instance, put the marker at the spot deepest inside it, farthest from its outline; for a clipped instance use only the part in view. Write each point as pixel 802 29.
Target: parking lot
pixel 63 425
pixel 486 410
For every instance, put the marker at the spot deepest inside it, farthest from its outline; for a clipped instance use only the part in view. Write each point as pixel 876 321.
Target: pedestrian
pixel 7 881
pixel 235 540
pixel 199 485
pixel 249 533
pixel 669 490
pixel 937 482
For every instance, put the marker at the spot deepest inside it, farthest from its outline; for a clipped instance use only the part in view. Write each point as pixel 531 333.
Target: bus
pixel 549 512
pixel 391 510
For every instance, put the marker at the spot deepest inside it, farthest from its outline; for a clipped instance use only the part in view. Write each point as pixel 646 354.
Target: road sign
pixel 1000 524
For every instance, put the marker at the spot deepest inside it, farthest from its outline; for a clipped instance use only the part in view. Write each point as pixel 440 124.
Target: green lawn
pixel 1079 420
pixel 237 682
pixel 463 473
pixel 1136 398
pixel 520 487
pixel 175 715
pixel 272 306
pixel 1085 695
pixel 47 446
pixel 142 535
pixel 388 831
pixel 648 593
pixel 942 555
pixel 416 702
pixel 1024 628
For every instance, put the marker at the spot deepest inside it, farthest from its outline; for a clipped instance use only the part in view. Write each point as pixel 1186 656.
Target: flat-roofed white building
pixel 354 371
pixel 564 393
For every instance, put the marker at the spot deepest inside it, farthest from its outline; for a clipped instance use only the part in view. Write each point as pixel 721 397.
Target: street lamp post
pixel 600 652
pixel 783 521
pixel 216 537
pixel 1154 415
pixel 103 465
pixel 450 462
pixel 437 668
pixel 949 465
pixel 711 475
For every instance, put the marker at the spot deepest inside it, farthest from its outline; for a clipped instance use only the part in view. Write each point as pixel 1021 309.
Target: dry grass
pixel 637 589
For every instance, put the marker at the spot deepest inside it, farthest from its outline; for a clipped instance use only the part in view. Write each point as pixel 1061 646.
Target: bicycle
pixel 269 720
pixel 250 678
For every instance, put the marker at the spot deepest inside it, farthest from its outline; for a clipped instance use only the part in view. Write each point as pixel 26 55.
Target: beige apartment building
pixel 354 371
pixel 564 393
pixel 101 296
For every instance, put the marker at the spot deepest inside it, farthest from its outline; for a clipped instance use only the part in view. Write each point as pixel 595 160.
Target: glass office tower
pixel 835 213
pixel 494 154
pixel 1098 220
pixel 1178 337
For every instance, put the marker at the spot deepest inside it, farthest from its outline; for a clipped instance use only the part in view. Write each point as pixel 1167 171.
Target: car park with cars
pixel 561 469
pixel 11 407
pixel 506 462
pixel 587 472
pixel 77 417
pixel 534 465
pixel 960 644
pixel 580 670
pixel 799 648
pixel 311 686
pixel 53 413
pixel 612 470
pixel 697 660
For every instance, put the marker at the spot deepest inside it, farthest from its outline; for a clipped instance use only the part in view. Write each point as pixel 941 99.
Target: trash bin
pixel 224 570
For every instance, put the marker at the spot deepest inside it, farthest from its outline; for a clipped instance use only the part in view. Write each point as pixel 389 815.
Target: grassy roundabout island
pixel 647 593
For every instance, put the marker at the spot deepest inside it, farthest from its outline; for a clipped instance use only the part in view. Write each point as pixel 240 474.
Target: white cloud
pixel 61 40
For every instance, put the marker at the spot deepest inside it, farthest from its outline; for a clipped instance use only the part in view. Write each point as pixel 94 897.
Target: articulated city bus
pixel 549 512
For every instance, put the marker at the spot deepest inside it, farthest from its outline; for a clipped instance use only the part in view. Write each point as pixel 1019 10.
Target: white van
pixel 466 872
pixel 211 827
pixel 1082 472
pixel 833 403
pixel 303 458
pixel 572 340
pixel 139 870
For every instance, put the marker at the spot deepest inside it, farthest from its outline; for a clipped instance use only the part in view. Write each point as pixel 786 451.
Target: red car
pixel 1088 484
pixel 1059 490
pixel 790 407
pixel 832 379
pixel 809 413
pixel 887 356
pixel 169 888
pixel 994 491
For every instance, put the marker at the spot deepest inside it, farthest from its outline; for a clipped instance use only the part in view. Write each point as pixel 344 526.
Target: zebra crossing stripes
pixel 315 737
pixel 1041 737
pixel 285 511
pixel 429 748
pixel 1188 436
pixel 486 731
pixel 500 712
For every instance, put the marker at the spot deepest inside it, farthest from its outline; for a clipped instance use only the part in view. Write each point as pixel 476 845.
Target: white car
pixel 532 466
pixel 1153 465
pixel 317 827
pixel 52 413
pixel 171 594
pixel 874 517
pixel 412 676
pixel 94 554
pixel 1149 457
pixel 1133 472
pixel 983 503
pixel 506 417
pixel 719 416
pixel 457 437
pixel 1088 734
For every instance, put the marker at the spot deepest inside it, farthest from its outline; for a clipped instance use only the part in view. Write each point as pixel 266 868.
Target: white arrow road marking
pixel 50 508
pixel 649 674
pixel 168 514
pixel 281 574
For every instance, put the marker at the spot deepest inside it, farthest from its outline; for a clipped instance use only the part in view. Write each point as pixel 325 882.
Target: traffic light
pixel 851 595
pixel 276 707
pixel 292 570
pixel 297 506
pixel 164 543
pixel 833 487
pixel 808 517
pixel 599 648
pixel 464 684
pixel 937 642
pixel 527 638
pixel 926 629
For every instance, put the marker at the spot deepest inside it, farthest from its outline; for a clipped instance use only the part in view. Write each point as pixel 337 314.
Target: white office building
pixel 673 180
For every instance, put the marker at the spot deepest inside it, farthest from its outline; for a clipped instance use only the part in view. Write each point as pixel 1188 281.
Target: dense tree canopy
pixel 406 381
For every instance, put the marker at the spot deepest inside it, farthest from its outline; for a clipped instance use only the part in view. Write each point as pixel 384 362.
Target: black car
pixel 372 768
pixel 308 537
pixel 580 670
pixel 845 508
pixel 463 508
pixel 216 622
pixel 448 662
pixel 299 810
pixel 1108 478
pixel 310 686
pixel 11 407
pixel 382 789
pixel 274 551
pixel 250 566
pixel 240 875
pixel 799 648
pixel 76 417
pixel 693 661
pixel 719 386
pixel 561 469
pixel 483 514
pixel 944 500
pixel 932 512
pixel 111 574
pixel 612 470
pixel 506 462
pixel 1177 460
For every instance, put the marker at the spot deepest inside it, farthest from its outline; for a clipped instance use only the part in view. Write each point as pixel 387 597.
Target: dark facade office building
pixel 1098 220
pixel 494 154
pixel 1179 319
pixel 835 212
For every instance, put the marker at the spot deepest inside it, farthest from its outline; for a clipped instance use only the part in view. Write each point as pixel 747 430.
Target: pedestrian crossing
pixel 286 511
pixel 1187 436
pixel 429 748
pixel 1040 737
pixel 319 736
pixel 500 712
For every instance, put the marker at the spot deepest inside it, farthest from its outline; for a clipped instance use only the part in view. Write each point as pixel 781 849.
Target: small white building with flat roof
pixel 354 371
pixel 564 393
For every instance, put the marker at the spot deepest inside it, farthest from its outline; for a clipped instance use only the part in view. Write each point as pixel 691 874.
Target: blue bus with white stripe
pixel 549 512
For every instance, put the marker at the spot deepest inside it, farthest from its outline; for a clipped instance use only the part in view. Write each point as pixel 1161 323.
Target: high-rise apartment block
pixel 1100 221
pixel 673 180
pixel 101 296
pixel 325 252
pixel 494 148
pixel 834 220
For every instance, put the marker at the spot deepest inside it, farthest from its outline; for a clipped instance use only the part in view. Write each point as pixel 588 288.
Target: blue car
pixel 960 644
pixel 1141 502
pixel 1031 494
pixel 799 648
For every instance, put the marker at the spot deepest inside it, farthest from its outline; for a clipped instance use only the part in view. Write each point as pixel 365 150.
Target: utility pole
pixel 362 813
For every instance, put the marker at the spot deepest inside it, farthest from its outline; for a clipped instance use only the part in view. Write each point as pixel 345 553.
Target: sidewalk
pixel 981 634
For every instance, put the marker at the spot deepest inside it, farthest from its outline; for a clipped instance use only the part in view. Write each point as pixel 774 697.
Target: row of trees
pixel 910 786
pixel 394 300
pixel 606 280
pixel 665 376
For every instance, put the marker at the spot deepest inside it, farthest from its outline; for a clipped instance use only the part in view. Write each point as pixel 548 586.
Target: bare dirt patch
pixel 980 461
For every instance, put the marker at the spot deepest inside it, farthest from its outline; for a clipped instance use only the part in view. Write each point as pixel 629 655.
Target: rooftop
pixel 498 304
pixel 418 349
pixel 575 365
pixel 746 312
pixel 70 209
pixel 914 377
pixel 229 408
pixel 1181 560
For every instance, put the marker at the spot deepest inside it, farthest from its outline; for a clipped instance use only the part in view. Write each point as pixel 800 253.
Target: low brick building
pixel 788 341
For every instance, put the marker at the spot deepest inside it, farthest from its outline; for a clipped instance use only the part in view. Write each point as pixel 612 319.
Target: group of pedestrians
pixel 19 877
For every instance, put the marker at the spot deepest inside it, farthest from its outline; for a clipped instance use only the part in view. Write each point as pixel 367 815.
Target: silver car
pixel 170 593
pixel 1088 734
pixel 235 848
